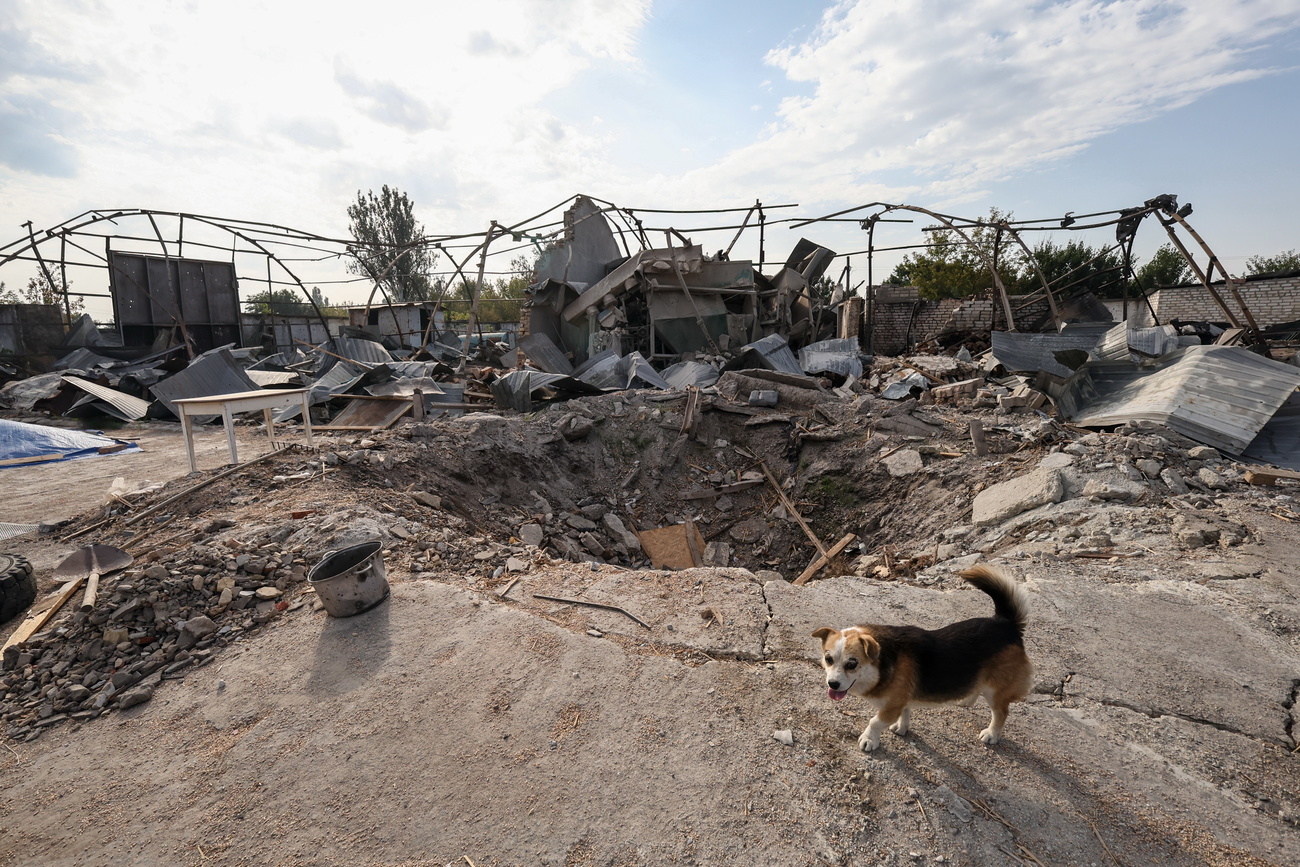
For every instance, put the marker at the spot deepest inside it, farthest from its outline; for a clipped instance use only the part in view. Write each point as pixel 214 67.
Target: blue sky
pixel 280 112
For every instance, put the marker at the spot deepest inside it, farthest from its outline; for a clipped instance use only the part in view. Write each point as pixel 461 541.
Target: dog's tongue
pixel 837 694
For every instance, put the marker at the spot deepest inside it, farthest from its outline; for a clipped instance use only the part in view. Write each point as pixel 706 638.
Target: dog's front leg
pixel 892 717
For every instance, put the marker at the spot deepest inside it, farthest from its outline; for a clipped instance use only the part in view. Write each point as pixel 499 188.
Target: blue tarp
pixel 19 441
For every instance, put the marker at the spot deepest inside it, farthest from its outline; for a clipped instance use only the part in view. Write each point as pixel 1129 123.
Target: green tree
pixel 949 267
pixel 1073 268
pixel 390 246
pixel 286 302
pixel 1288 260
pixel 1166 268
pixel 40 291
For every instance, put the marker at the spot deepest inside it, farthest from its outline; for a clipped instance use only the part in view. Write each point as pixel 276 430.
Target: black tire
pixel 17 585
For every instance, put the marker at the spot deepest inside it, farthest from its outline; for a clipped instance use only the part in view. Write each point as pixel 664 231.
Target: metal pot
pixel 351 580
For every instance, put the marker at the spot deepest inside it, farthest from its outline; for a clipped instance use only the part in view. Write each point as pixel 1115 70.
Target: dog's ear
pixel 822 633
pixel 870 647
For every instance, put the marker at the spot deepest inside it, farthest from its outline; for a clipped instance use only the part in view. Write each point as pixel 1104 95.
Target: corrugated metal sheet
pixel 1030 353
pixel 774 354
pixel 1218 395
pixel 272 378
pixel 695 373
pixel 1278 443
pixel 542 351
pixel 123 406
pixel 838 355
pixel 207 375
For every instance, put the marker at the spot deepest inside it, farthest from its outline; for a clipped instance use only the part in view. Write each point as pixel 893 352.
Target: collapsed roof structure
pixel 608 308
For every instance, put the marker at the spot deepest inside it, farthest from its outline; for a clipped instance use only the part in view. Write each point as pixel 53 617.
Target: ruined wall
pixel 902 319
pixel 31 331
pixel 1271 301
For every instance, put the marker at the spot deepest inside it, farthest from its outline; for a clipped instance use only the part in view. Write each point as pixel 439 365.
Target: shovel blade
pixel 93 558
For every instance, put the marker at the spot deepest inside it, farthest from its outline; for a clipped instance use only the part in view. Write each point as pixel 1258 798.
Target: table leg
pixel 306 417
pixel 228 420
pixel 187 428
pixel 270 425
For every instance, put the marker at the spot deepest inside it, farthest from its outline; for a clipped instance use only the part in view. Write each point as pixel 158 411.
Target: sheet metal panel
pixel 217 373
pixel 774 353
pixel 1218 395
pixel 1030 353
pixel 1278 443
pixel 129 408
pixel 837 355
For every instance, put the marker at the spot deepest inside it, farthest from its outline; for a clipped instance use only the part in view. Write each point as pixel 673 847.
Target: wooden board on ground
pixel 670 547
pixel 369 413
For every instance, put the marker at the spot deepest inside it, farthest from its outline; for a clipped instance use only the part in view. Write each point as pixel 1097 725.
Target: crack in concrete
pixel 1157 713
pixel 1289 704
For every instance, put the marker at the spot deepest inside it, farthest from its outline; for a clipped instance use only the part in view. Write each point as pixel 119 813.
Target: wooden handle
pixel 92 589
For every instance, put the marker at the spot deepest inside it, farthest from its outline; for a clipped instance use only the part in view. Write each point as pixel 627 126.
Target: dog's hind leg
pixel 1000 702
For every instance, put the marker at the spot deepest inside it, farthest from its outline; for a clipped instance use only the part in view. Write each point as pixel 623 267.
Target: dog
pixel 894 667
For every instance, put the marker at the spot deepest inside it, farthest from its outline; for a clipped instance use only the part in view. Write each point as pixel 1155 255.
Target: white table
pixel 226 405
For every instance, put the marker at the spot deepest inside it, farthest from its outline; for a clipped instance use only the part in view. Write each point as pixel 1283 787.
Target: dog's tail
pixel 1010 602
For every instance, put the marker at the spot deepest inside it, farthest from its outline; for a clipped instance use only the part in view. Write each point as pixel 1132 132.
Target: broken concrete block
pixel 1203 453
pixel 905 462
pixel 766 397
pixel 1008 499
pixel 424 498
pixel 532 534
pixel 1174 481
pixel 1113 489
pixel 1211 479
pixel 1150 468
pixel 1057 460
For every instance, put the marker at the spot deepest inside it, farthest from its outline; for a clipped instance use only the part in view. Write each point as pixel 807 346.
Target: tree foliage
pixel 1166 268
pixel 41 291
pixel 390 246
pixel 1287 260
pixel 1071 268
pixel 949 267
pixel 501 300
pixel 286 302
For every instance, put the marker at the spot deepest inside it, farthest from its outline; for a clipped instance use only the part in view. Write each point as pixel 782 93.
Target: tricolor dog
pixel 894 667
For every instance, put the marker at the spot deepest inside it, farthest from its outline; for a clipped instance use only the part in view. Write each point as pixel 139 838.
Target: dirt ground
pixel 474 717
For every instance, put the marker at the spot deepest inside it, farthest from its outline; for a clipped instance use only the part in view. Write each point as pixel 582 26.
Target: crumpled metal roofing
pixel 111 401
pixel 1221 396
pixel 838 355
pixel 1029 353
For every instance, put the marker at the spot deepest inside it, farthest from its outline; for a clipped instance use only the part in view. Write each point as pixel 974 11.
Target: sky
pixel 280 112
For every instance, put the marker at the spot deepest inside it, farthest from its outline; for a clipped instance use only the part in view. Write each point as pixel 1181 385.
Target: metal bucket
pixel 350 580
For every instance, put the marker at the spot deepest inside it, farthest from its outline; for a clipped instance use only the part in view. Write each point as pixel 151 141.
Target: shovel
pixel 83 565
pixel 91 562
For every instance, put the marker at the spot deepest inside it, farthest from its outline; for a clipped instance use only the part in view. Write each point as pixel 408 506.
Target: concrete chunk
pixel 1008 499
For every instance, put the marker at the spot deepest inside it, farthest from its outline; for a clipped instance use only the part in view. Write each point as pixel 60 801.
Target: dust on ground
pixel 466 720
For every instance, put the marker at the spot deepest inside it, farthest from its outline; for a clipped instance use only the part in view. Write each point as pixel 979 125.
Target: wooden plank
pixel 789 507
pixel 36 622
pixel 1269 475
pixel 820 563
pixel 31 459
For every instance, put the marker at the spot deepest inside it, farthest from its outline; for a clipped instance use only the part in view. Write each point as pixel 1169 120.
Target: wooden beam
pixel 789 507
pixel 821 562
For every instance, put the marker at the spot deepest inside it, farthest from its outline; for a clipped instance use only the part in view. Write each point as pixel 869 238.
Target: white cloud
pixel 945 98
pixel 247 108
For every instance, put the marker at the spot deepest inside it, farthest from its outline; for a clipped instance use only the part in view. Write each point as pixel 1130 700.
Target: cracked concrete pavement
pixel 526 731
